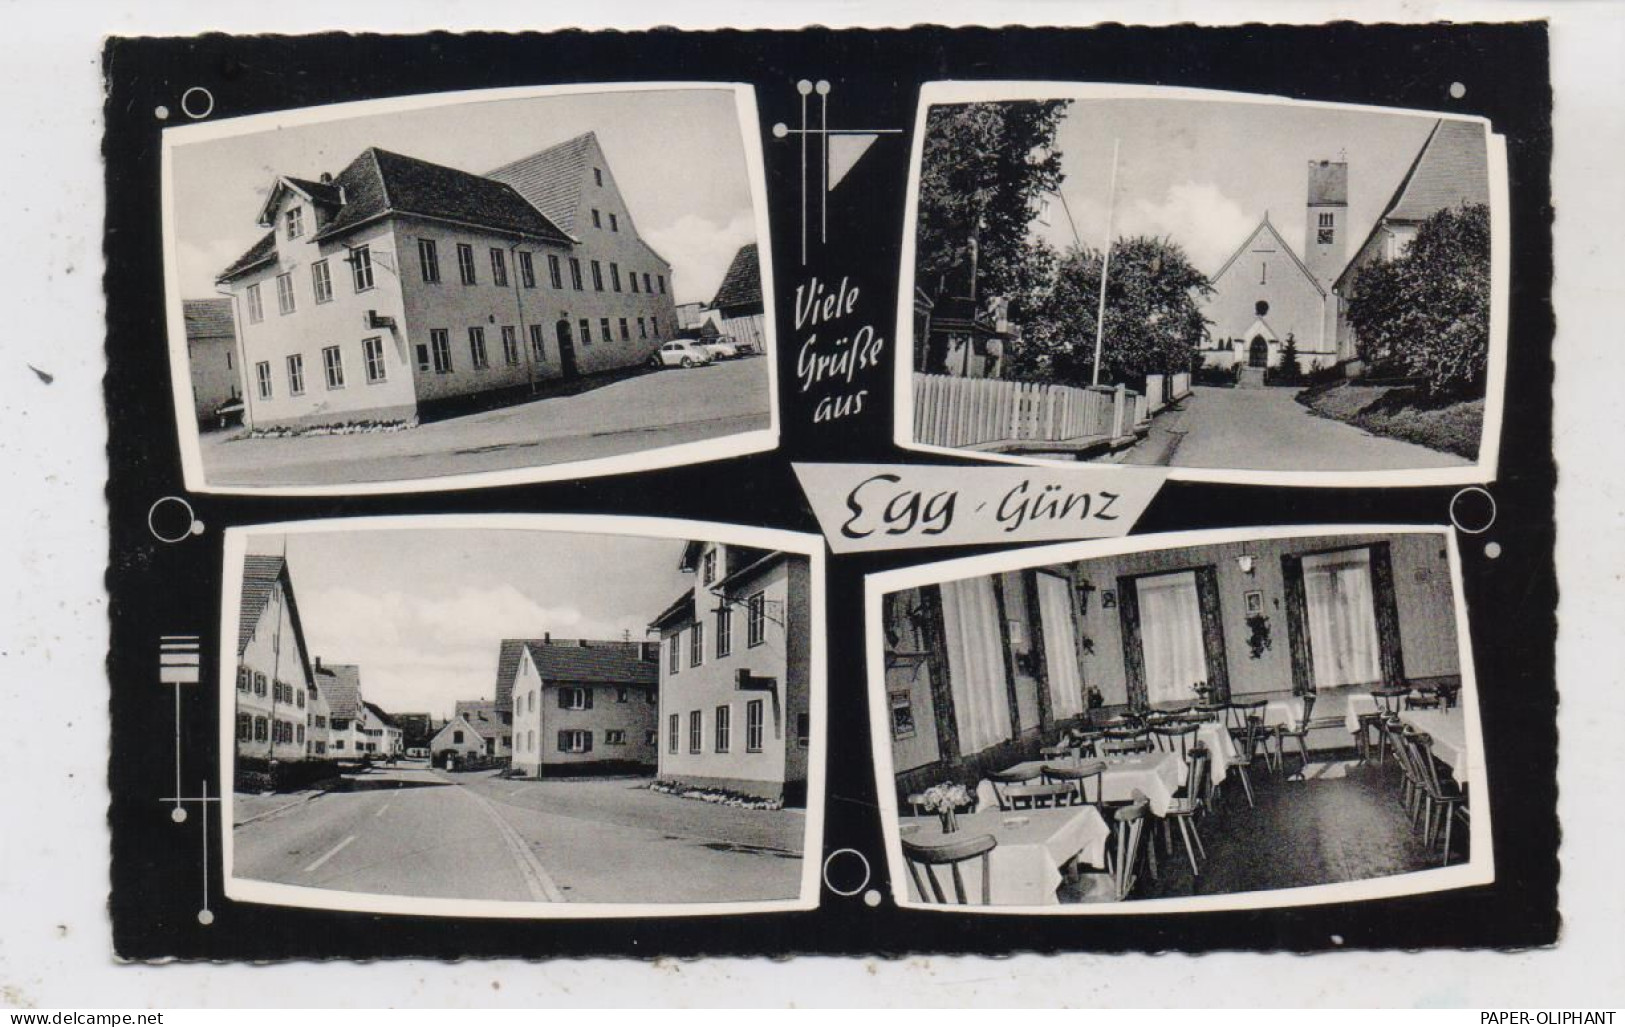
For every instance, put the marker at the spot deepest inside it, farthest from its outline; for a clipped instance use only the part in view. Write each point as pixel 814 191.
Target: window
pixel 575 698
pixel 646 287
pixel 256 310
pixel 321 282
pixel 530 741
pixel 338 744
pixel 527 270
pixel 803 730
pixel 245 679
pixel 662 280
pixel 259 683
pixel 440 342
pixel 510 345
pixel 476 348
pixel 423 356
pixel 603 329
pixel 294 219
pixel 372 352
pixel 654 325
pixel 465 264
pixel 643 329
pixel 626 332
pixel 333 363
pixel 623 695
pixel 245 727
pixel 1263 272
pixel 597 277
pixel 575 273
pixel 456 738
pixel 723 724
pixel 597 219
pixel 649 696
pixel 614 223
pixel 632 276
pixel 598 177
pixel 499 268
pixel 651 738
pixel 586 332
pixel 725 630
pixel 673 731
pixel 696 644
pixel 615 276
pixel 284 293
pixel 554 275
pixel 262 374
pixel 429 260
pixel 530 700
pixel 708 567
pixel 613 736
pixel 538 343
pixel 576 741
pixel 361 268
pixel 260 733
pixel 1326 220
pixel 674 662
pixel 753 726
pixel 300 737
pixel 756 619
pixel 696 731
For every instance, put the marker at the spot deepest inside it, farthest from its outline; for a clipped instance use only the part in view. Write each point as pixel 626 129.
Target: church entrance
pixel 1258 354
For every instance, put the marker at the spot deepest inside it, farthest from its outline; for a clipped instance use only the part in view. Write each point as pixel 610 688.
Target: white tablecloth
pixel 1155 775
pixel 1448 729
pixel 1033 846
pixel 1283 713
pixel 1217 739
pixel 1364 702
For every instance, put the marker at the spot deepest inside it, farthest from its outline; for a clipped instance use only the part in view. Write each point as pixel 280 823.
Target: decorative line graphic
pixel 848 145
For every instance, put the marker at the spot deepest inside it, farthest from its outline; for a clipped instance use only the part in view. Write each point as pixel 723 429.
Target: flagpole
pixel 1105 263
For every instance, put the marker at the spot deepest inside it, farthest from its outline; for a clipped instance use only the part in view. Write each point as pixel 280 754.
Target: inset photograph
pixel 1226 720
pixel 465 289
pixel 1294 292
pixel 523 716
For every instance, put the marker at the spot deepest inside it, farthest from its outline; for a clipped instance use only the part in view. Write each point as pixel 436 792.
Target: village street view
pixel 404 729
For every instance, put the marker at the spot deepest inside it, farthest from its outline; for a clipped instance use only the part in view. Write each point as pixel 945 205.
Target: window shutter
pixel 564 741
pixel 1297 625
pixel 586 702
pixel 1128 614
pixel 586 736
pixel 564 699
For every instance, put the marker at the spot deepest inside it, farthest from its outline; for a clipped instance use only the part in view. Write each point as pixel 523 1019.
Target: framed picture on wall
pixel 1108 599
pixel 1255 602
pixel 902 715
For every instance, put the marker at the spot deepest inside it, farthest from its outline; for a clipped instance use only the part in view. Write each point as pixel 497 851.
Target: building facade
pixel 493 721
pixel 739 301
pixel 582 704
pixel 274 682
pixel 399 283
pixel 735 709
pixel 211 354
pixel 459 739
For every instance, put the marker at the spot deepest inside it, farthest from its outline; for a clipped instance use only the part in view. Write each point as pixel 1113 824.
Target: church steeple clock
pixel 1325 243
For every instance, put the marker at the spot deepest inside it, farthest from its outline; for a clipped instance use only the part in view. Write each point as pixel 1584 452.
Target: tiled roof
pixel 208 319
pixel 322 192
pixel 379 713
pixel 574 661
pixel 341 684
pixel 552 179
pixel 379 182
pixel 1449 171
pixel 742 285
pixel 260 574
pixel 257 254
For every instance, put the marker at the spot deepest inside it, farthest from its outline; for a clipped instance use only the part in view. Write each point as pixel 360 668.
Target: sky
pixel 677 156
pixel 423 612
pixel 1205 172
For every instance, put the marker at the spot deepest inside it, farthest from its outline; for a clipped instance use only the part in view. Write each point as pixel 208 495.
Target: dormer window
pixel 295 221
pixel 708 567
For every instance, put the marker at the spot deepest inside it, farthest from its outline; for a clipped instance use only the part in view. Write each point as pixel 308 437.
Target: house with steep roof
pixel 399 284
pixel 383 735
pixel 493 720
pixel 461 739
pixel 1450 170
pixel 580 705
pixel 739 300
pixel 347 717
pixel 211 354
pixel 735 700
pixel 275 686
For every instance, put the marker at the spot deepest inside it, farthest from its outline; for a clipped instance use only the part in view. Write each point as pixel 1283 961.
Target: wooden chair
pixel 1211 713
pixel 1188 802
pixel 1441 795
pixel 1410 786
pixel 1448 692
pixel 1246 749
pixel 1124 740
pixel 1236 720
pixel 1299 734
pixel 1175 737
pixel 922 857
pixel 1077 778
pixel 1388 701
pixel 1424 700
pixel 1038 796
pixel 1087 743
pixel 1122 859
pixel 1004 779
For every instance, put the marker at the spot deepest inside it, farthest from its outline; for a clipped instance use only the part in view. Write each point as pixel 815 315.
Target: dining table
pixel 1448 730
pixel 1033 846
pixel 1152 775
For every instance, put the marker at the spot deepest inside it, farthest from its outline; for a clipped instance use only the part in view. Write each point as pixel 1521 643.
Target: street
pixel 1266 429
pixel 643 412
pixel 411 830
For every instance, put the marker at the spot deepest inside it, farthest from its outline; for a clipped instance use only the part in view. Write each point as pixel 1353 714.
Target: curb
pixel 313 796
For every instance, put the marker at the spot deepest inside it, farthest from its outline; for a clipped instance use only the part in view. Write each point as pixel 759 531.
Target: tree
pixel 983 170
pixel 1428 312
pixel 1153 317
pixel 1289 369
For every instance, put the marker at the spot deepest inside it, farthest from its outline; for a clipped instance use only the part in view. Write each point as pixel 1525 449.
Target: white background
pixel 54 934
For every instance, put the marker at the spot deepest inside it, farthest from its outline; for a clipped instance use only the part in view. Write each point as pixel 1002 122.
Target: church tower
pixel 1325 242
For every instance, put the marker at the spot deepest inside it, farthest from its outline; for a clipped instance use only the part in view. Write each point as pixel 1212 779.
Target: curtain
pixel 1218 665
pixel 1171 635
pixel 974 643
pixel 1060 647
pixel 1342 618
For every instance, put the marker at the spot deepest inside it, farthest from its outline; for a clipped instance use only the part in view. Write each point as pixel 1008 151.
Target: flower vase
pixel 950 821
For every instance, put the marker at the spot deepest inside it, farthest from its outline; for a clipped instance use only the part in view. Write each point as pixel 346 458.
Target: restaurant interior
pixel 1244 716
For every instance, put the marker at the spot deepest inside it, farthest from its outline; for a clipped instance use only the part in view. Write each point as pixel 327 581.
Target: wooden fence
pixel 964 412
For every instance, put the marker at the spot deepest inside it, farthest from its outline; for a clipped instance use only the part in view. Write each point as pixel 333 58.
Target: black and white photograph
pixel 469 288
pixel 543 717
pixel 1293 291
pixel 1183 750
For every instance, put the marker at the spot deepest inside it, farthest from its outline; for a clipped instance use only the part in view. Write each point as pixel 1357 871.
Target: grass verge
pixel 1402 412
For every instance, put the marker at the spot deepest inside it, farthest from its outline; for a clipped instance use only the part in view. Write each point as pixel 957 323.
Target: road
pixel 424 833
pixel 1268 430
pixel 643 412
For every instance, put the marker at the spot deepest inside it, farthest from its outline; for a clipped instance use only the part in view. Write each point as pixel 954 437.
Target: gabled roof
pixel 262 252
pixel 1267 226
pixel 341 684
pixel 552 179
pixel 486 713
pixel 380 714
pixel 681 611
pixel 208 319
pixel 742 285
pixel 260 575
pixel 575 661
pixel 454 721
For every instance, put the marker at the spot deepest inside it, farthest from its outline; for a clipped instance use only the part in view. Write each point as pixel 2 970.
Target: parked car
pixel 680 353
pixel 720 348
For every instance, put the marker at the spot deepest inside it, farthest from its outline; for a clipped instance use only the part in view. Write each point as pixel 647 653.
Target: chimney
pixel 547 638
pixel 318 664
pixel 327 179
